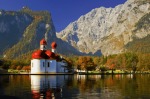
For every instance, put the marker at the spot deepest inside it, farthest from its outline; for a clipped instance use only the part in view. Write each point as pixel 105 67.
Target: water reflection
pixel 48 87
pixel 75 86
pixel 87 86
pixel 3 83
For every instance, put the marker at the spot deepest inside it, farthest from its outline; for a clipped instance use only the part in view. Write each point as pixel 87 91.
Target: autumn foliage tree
pixel 97 60
pixel 144 62
pixel 85 63
pixel 19 67
pixel 111 62
pixel 26 68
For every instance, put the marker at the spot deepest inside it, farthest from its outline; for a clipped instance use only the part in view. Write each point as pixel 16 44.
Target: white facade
pixel 51 66
pixel 39 66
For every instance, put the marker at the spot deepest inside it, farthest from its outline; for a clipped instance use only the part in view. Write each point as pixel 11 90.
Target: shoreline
pixel 36 74
pixel 70 73
pixel 109 73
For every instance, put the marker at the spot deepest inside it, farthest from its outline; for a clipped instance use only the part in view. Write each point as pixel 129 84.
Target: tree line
pixel 125 61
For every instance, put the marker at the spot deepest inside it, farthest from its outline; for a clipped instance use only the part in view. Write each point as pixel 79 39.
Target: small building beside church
pixel 47 61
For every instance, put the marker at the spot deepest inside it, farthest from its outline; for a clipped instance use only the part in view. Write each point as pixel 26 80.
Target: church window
pixel 43 64
pixel 48 64
pixel 44 47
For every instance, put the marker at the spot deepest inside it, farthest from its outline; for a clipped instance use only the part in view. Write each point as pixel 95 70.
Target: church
pixel 47 61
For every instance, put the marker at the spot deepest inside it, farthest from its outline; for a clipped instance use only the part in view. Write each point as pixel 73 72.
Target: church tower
pixel 43 44
pixel 53 45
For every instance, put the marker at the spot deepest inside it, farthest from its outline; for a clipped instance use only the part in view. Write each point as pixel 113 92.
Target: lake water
pixel 75 86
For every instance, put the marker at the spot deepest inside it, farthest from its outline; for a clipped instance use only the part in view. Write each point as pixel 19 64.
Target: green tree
pixel 103 68
pixel 131 61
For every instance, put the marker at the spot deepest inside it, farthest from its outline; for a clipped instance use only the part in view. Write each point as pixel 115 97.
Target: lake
pixel 75 86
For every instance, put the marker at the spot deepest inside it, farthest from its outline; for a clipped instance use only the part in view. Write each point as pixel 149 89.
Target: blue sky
pixel 63 11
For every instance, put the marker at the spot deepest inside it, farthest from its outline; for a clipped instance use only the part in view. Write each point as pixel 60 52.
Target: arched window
pixel 48 64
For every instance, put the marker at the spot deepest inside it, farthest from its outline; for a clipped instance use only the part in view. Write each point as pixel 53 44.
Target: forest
pixel 125 61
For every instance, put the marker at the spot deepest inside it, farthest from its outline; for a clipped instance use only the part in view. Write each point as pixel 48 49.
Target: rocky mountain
pixel 21 32
pixel 110 30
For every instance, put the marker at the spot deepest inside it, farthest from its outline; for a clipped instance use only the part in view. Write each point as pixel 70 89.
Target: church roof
pixel 45 54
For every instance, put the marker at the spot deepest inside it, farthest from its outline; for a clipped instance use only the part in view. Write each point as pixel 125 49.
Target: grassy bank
pixel 114 72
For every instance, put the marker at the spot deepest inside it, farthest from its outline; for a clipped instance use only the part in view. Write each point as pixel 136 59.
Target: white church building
pixel 47 61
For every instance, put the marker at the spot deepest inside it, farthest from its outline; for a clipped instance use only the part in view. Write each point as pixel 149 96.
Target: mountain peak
pixel 106 29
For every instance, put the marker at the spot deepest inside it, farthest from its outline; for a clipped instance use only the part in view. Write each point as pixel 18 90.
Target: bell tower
pixel 43 44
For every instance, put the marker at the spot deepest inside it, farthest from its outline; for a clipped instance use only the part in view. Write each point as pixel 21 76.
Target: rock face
pixel 109 29
pixel 21 32
pixel 12 24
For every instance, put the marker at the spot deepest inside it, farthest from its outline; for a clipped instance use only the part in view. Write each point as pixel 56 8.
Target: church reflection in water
pixel 47 86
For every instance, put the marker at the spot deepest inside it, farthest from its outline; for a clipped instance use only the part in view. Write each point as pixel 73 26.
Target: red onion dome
pixel 39 54
pixel 54 45
pixel 50 54
pixel 43 42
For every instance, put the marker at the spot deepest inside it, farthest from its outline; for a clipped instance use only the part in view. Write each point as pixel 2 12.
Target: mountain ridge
pixel 23 37
pixel 107 29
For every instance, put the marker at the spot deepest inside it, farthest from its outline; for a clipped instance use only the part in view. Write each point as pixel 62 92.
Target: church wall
pixel 37 66
pixel 60 68
pixel 51 66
